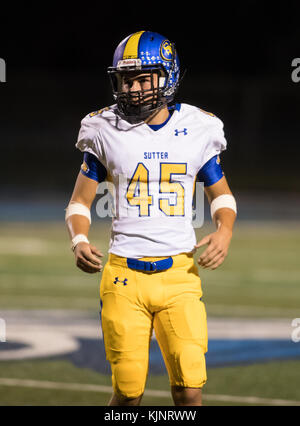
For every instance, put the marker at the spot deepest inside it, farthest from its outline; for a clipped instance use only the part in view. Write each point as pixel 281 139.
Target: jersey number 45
pixel 138 189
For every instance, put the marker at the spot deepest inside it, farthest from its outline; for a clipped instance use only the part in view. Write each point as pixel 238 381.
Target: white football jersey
pixel 153 173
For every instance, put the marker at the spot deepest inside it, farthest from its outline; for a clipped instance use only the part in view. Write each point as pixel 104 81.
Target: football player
pixel 152 150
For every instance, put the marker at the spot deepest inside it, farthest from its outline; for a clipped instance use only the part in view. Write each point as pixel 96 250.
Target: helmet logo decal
pixel 166 51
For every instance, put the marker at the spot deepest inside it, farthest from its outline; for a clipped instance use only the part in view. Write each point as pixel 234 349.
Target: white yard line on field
pixel 154 393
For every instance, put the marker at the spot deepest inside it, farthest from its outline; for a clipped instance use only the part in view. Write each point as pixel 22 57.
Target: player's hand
pixel 217 248
pixel 87 258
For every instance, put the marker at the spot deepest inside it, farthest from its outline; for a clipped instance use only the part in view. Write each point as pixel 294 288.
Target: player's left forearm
pixel 224 219
pixel 219 241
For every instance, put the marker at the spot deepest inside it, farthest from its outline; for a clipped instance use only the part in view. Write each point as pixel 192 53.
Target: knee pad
pixel 129 378
pixel 190 366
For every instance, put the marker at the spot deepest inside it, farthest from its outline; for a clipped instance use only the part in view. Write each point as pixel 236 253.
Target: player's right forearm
pixel 77 224
pixel 78 220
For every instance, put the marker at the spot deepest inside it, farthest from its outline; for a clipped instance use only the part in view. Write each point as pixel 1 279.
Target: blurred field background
pixel 261 272
pixel 259 280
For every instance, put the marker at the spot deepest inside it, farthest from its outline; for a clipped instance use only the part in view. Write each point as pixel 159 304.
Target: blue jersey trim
pixel 174 107
pixel 171 109
pixel 211 172
pixel 159 126
pixel 93 168
pixel 177 107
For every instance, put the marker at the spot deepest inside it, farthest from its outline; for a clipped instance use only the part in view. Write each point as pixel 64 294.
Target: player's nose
pixel 135 86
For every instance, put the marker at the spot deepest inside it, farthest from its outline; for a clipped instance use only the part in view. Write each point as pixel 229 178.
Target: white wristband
pixel 223 201
pixel 79 238
pixel 78 208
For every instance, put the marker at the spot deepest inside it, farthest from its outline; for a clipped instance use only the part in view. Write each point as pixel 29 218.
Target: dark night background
pixel 238 58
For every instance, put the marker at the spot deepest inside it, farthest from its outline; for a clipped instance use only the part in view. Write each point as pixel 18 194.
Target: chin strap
pixel 143 116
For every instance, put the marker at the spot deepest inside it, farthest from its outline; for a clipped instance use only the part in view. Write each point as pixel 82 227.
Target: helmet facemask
pixel 137 106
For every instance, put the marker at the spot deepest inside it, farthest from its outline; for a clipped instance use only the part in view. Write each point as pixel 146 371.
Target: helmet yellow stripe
pixel 131 48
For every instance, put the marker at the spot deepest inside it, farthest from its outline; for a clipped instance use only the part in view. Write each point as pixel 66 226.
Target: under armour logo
pixel 184 131
pixel 120 281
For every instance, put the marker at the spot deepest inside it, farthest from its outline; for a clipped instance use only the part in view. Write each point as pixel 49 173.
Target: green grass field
pixel 259 279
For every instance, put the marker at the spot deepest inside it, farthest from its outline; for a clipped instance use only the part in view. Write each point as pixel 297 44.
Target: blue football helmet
pixel 139 53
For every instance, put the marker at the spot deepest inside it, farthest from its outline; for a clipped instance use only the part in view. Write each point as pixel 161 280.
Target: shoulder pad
pixel 99 111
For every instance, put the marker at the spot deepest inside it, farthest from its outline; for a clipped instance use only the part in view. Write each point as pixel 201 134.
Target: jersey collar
pixel 158 128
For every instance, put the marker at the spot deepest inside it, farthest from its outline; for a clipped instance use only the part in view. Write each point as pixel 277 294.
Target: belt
pixel 141 265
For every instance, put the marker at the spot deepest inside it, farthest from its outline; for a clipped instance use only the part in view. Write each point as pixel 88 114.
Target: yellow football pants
pixel 133 303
